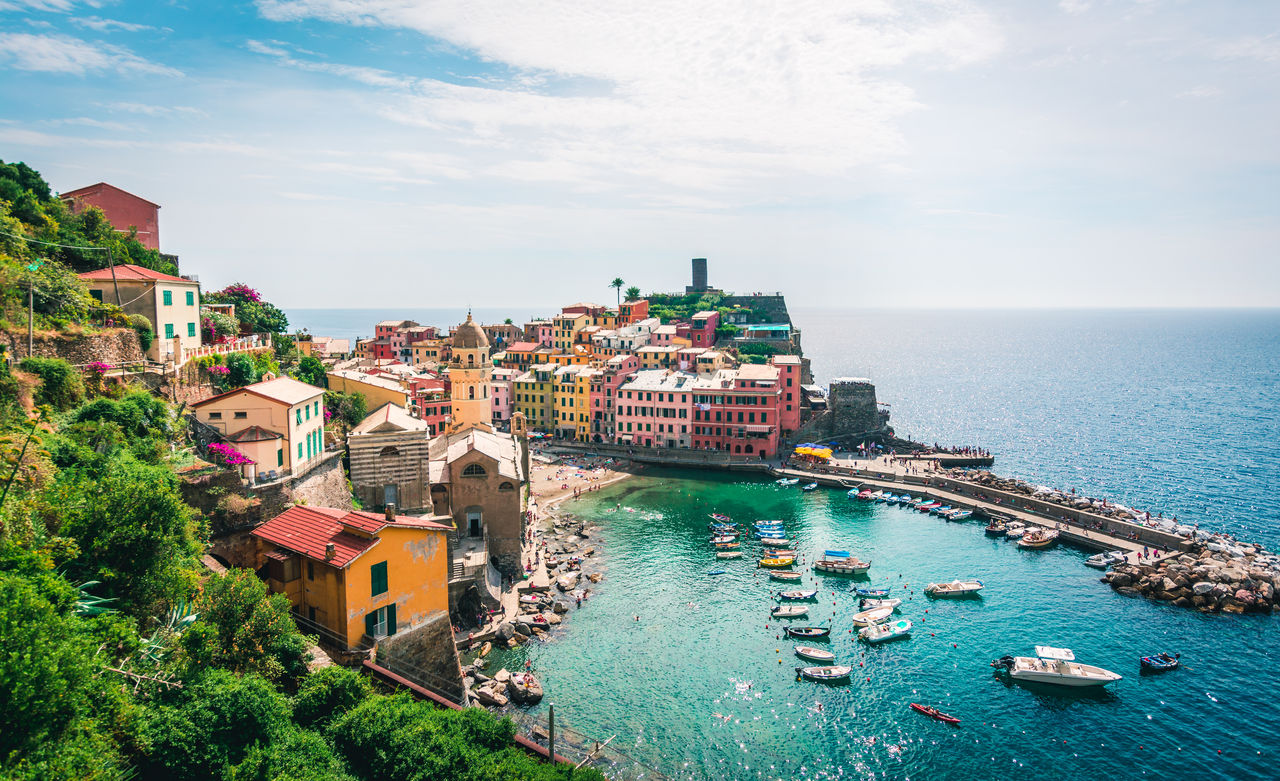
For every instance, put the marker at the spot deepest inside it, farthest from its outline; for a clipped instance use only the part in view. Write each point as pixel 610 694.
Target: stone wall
pixel 398 459
pixel 426 655
pixel 111 346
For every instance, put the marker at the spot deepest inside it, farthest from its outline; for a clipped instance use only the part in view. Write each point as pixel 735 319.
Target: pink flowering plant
pixel 99 368
pixel 228 454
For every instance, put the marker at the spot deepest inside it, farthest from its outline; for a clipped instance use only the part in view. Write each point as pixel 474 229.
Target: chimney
pixel 329 552
pixel 390 511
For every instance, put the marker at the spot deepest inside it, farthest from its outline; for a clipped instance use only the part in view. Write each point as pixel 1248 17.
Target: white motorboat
pixel 1038 538
pixel 1104 560
pixel 814 654
pixel 1015 529
pixel 878 633
pixel 872 616
pixel 869 604
pixel 789 611
pixel 729 554
pixel 953 589
pixel 1056 666
pixel 849 566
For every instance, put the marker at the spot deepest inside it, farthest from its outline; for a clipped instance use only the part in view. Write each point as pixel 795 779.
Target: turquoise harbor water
pixel 705 645
pixel 1167 410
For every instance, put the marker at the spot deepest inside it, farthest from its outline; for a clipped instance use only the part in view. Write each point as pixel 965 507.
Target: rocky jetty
pixel 1212 577
pixel 1066 499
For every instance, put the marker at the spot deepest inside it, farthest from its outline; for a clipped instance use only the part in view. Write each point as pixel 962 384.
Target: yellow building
pixel 564 405
pixel 278 423
pixel 658 357
pixel 564 329
pixel 429 351
pixel 533 396
pixel 172 304
pixel 377 389
pixel 361 576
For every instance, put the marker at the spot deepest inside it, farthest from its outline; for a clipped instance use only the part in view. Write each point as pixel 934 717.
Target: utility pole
pixel 31 316
pixel 551 733
pixel 111 262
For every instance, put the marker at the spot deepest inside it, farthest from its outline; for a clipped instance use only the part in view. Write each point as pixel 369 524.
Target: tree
pixel 617 284
pixel 327 693
pixel 241 370
pixel 311 370
pixel 254 313
pixel 244 629
pixel 348 409
pixel 61 386
pixel 633 293
pixel 294 755
pixel 508 321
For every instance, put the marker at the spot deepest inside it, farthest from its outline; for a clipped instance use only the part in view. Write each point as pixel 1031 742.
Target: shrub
pixel 328 693
pixel 146 334
pixel 60 384
pixel 241 370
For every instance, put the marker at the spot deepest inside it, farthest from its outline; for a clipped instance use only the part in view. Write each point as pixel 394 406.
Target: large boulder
pixel 1167 584
pixel 505 631
pixel 1122 579
pixel 560 607
pixel 1128 591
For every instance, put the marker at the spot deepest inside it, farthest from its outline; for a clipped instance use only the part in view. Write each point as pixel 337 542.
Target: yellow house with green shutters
pixel 278 423
pixel 533 393
pixel 172 304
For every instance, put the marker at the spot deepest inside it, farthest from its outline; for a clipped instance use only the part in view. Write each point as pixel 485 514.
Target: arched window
pixel 506 487
pixel 471 357
pixel 474 470
pixel 389 451
pixel 471 392
pixel 749 448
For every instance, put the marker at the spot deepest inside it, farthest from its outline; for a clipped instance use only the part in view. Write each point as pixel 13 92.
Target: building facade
pixel 388 453
pixel 172 304
pixel 292 410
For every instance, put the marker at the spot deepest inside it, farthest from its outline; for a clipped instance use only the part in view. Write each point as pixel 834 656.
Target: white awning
pixel 1061 654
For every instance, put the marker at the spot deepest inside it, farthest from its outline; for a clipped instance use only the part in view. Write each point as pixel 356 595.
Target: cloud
pixel 1075 6
pixel 89 122
pixel 56 6
pixel 154 111
pixel 707 95
pixel 106 25
pixel 1252 47
pixel 63 54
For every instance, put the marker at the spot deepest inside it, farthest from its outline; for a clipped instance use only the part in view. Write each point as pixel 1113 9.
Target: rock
pixel 553 620
pixel 560 607
pixel 1165 596
pixel 540 733
pixel 505 631
pixel 522 629
pixel 511 642
pixel 519 639
pixel 1232 607
pixel 1266 591
pixel 502 676
pixel 1128 591
pixel 1167 584
pixel 1203 587
pixel 595 577
pixel 1182 602
pixel 1120 580
pixel 481 677
pixel 1200 601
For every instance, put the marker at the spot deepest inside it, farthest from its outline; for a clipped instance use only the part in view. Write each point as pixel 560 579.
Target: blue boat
pixel 872 592
pixel 1160 662
pixel 716 572
pixel 940 510
pixel 836 554
pixel 810 487
pixel 767 524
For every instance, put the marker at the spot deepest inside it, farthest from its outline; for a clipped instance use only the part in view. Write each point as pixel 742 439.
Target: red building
pixel 389 339
pixel 633 311
pixel 789 384
pixel 701 330
pixel 736 410
pixel 123 210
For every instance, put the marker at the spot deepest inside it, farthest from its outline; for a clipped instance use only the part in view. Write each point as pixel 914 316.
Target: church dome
pixel 469 336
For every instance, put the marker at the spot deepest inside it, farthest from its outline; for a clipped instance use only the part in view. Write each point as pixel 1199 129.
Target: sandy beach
pixel 570 477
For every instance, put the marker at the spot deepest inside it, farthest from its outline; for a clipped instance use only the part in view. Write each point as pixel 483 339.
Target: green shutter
pixel 168 330
pixel 280 456
pixel 378 577
pixel 370 619
pixel 191 298
pixel 391 619
pixel 298 415
pixel 299 451
pixel 191 329
pixel 168 297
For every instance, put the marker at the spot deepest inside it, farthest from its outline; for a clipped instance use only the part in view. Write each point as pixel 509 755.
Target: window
pixel 311 570
pixel 96 295
pixel 191 329
pixel 381 622
pixel 167 297
pixel 299 451
pixel 280 456
pixel 168 330
pixel 191 298
pixel 378 578
pixel 239 415
pixel 474 470
pixel 298 416
pixel 308 412
pixel 215 416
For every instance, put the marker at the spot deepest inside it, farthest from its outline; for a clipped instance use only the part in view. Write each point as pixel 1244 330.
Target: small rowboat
pixel 868 604
pixel 864 494
pixel 836 554
pixel 1104 560
pixel 879 633
pixel 814 654
pixel 934 713
pixel 996 529
pixel 719 518
pixel 729 554
pixel 872 616
pixel 790 577
pixel 940 510
pixel 963 515
pixel 775 542
pixel 789 611
pixel 1015 529
pixel 779 552
pixel 1160 662
pixel 809 487
pixel 727 545
pixel 955 588
pixel 1038 538
pixel 927 506
pixel 789 481
pixel 767 524
pixel 798 596
pixel 723 538
pixel 808 631
pixel 777 561
pixel 842 566
pixel 717 572
pixel 825 674
pixel 770 535
pixel 872 592
pixel 723 528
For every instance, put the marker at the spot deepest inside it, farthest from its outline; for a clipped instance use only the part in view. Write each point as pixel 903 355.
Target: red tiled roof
pixel 522 347
pixel 307 530
pixel 128 271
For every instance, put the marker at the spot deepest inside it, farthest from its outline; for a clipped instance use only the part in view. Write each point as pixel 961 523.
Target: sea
pixel 1171 411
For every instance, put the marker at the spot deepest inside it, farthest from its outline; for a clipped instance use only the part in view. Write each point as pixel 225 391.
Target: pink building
pixel 789 384
pixel 123 210
pixel 604 394
pixel 430 397
pixel 653 409
pixel 540 332
pixel 389 339
pixel 701 329
pixel 736 411
pixel 500 392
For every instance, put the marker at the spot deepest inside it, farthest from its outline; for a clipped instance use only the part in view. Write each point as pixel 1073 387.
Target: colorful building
pixel 172 304
pixel 500 391
pixel 736 411
pixel 535 396
pixel 565 327
pixel 362 576
pixel 377 389
pixel 653 409
pixel 633 310
pixel 789 374
pixel 124 210
pixel 278 423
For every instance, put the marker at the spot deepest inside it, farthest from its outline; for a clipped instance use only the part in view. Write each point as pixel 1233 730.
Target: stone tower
pixel 520 432
pixel 470 371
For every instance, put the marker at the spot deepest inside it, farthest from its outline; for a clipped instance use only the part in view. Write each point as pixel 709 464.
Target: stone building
pixel 470 372
pixel 388 454
pixel 477 478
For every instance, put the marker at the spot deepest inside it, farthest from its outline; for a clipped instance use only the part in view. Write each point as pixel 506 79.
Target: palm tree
pixel 633 292
pixel 617 284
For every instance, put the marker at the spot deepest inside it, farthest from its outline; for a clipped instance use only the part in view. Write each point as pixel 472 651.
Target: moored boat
pixel 934 713
pixel 1160 662
pixel 868 604
pixel 829 674
pixel 729 554
pixel 960 515
pixel 726 545
pixel 789 611
pixel 1038 538
pixel 869 617
pixel 720 518
pixel 955 588
pixel 872 592
pixel 836 554
pixel 940 510
pixel 775 542
pixel 810 487
pixel 808 631
pixel 1015 529
pixel 814 654
pixel 777 561
pixel 849 566
pixel 724 538
pixel 1054 665
pixel 789 577
pixel 891 630
pixel 996 529
pixel 789 481
pixel 927 506
pixel 1104 560
pixel 717 572
pixel 798 595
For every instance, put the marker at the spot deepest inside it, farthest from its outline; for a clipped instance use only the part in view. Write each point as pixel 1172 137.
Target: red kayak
pixel 934 713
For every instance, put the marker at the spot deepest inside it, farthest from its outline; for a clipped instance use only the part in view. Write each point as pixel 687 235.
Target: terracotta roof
pixel 308 530
pixel 522 347
pixel 132 273
pixel 285 390
pixel 389 417
pixel 253 434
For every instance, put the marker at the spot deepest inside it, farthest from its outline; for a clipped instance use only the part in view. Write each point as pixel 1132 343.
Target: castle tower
pixel 470 371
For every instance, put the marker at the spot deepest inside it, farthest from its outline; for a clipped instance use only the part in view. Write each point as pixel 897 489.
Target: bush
pixel 241 370
pixel 146 334
pixel 61 386
pixel 295 755
pixel 327 694
pixel 218 327
pixel 311 371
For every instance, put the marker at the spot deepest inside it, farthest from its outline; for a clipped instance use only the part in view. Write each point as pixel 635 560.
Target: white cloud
pixel 106 25
pixel 706 95
pixel 56 6
pixel 63 54
pixel 1075 6
pixel 154 111
pixel 1252 47
pixel 89 122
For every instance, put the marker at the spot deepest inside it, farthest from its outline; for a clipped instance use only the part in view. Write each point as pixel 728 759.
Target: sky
pixel 851 153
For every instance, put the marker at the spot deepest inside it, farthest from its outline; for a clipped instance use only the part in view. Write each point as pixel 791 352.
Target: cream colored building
pixel 470 372
pixel 172 304
pixel 377 389
pixel 278 423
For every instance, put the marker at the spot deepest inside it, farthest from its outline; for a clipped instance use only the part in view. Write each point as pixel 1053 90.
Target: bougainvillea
pixel 228 454
pixel 241 291
pixel 99 368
